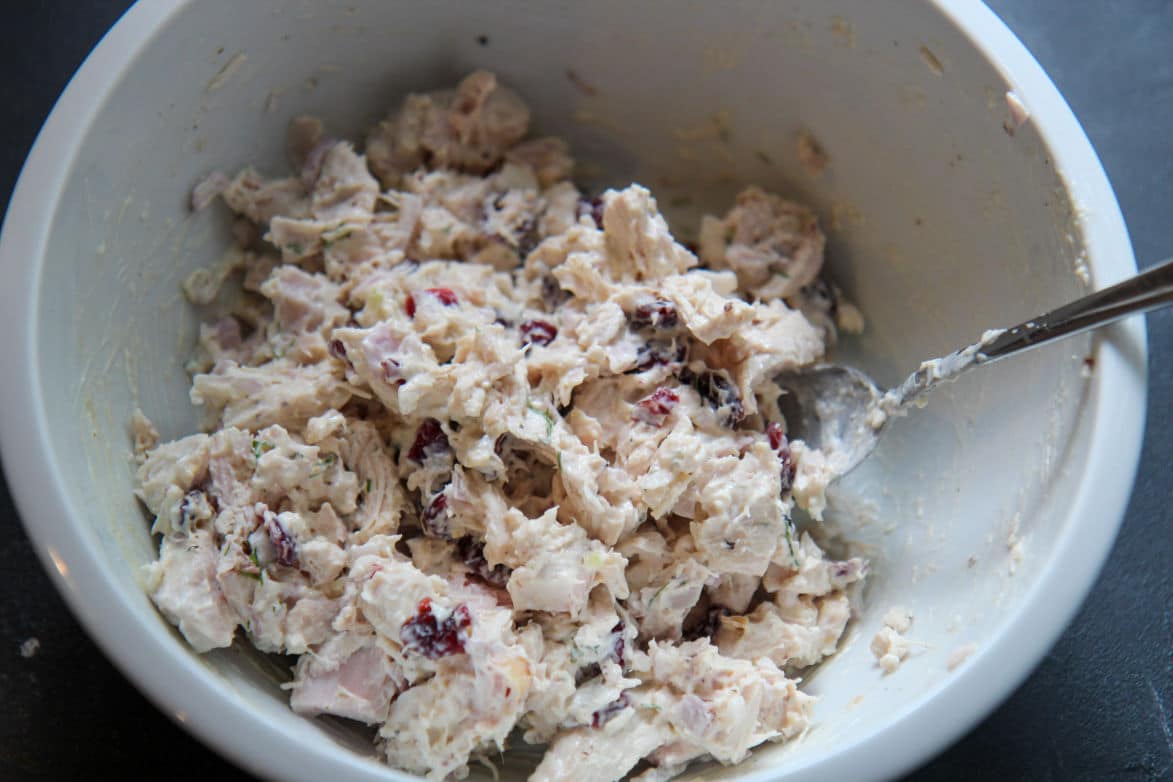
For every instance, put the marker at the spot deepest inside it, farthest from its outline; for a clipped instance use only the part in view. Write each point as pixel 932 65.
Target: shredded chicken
pixel 493 458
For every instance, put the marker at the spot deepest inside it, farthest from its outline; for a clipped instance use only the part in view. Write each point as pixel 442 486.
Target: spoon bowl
pixel 834 408
pixel 842 411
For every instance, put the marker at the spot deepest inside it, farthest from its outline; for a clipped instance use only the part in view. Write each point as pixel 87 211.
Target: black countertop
pixel 1099 706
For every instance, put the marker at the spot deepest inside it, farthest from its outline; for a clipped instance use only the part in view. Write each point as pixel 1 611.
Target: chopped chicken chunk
pixel 492 458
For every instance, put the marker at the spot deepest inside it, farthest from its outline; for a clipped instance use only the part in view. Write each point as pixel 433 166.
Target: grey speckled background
pixel 1097 708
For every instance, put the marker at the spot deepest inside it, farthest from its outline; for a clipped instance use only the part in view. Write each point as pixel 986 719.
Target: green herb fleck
pixel 253 576
pixel 255 560
pixel 375 300
pixel 790 544
pixel 544 413
pixel 342 231
pixel 559 461
pixel 367 487
pixel 261 447
pixel 651 707
pixel 681 200
pixel 658 591
pixel 762 156
pixel 323 464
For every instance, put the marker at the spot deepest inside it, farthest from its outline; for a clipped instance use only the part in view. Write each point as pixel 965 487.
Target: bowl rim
pixel 206 705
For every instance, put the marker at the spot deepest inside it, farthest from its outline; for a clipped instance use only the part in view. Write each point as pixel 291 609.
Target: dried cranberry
pixel 592 207
pixel 429 439
pixel 282 541
pixel 196 506
pixel 424 635
pixel 657 353
pixel 715 387
pixel 435 517
pixel 604 715
pixel 616 653
pixel 618 645
pixel 655 408
pixel 537 332
pixel 709 624
pixel 391 374
pixel 472 554
pixel 445 296
pixel 338 350
pixel 781 445
pixel 657 314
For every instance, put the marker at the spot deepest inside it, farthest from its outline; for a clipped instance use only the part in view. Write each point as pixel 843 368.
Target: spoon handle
pixel 1146 291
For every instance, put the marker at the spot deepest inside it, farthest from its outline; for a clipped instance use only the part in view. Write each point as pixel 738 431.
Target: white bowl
pixel 941 224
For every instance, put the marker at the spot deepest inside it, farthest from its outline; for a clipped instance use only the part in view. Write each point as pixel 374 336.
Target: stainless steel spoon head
pixel 835 409
pixel 840 411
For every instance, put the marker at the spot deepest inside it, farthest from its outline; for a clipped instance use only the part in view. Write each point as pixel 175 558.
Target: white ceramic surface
pixel 941 224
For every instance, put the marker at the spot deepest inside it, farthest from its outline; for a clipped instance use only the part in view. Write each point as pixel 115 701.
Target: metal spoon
pixel 842 411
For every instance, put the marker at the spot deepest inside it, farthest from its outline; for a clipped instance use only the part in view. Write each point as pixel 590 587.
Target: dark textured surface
pixel 1097 708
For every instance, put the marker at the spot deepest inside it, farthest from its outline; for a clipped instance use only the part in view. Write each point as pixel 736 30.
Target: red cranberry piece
pixel 781 445
pixel 390 368
pixel 618 645
pixel 472 554
pixel 537 332
pixel 592 207
pixel 446 296
pixel 195 502
pixel 429 439
pixel 656 353
pixel 715 387
pixel 657 314
pixel 616 652
pixel 604 715
pixel 336 349
pixel 282 541
pixel 423 634
pixel 655 408
pixel 435 517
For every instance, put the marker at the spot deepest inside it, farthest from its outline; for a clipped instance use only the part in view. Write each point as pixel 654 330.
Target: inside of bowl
pixel 941 224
